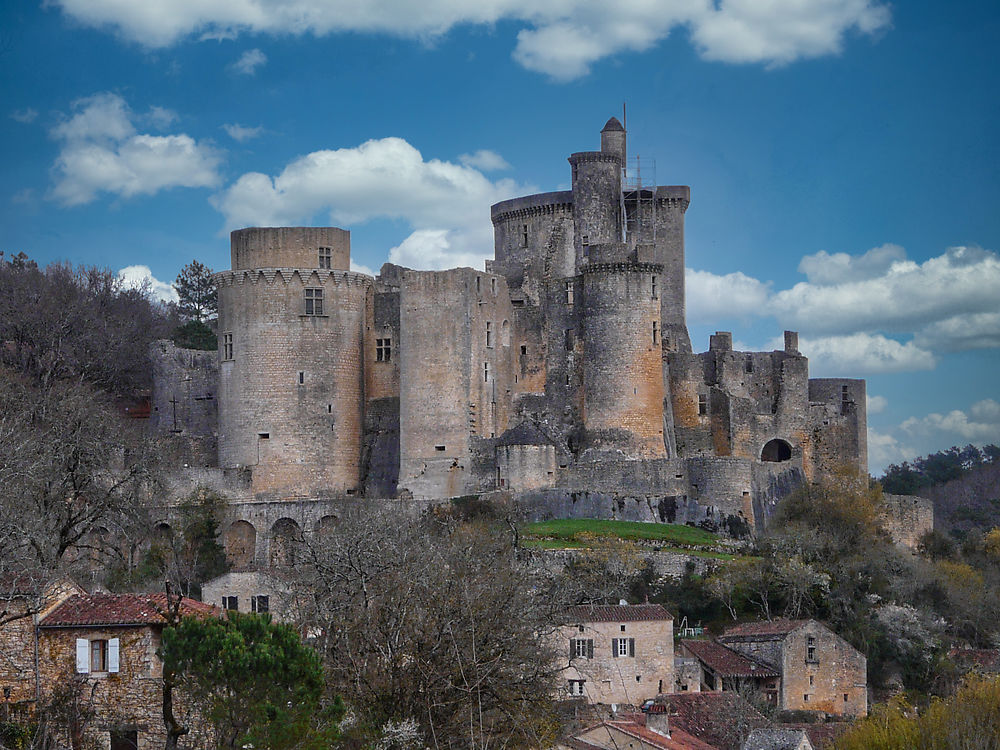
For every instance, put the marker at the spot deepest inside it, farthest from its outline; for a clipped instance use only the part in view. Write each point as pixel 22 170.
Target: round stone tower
pixel 597 198
pixel 291 393
pixel 623 375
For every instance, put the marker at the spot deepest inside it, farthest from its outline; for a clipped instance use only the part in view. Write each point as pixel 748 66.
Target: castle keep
pixel 562 374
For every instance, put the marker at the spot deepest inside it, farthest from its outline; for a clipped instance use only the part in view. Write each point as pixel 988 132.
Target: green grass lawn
pixel 565 530
pixel 572 544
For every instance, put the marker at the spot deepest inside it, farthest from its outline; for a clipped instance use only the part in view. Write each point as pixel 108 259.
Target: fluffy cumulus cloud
pixel 710 297
pixel 101 151
pixel 141 277
pixel 560 39
pixel 445 204
pixel 242 133
pixel 249 61
pixel 485 160
pixel 877 404
pixel 846 356
pixel 980 424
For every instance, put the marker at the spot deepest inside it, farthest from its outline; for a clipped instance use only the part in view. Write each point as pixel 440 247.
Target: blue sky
pixel 842 155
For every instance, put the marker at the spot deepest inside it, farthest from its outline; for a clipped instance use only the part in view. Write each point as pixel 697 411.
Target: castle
pixel 562 374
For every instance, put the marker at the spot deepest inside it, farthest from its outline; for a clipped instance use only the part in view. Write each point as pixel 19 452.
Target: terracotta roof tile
pixel 726 662
pixel 711 717
pixel 618 613
pixel 772 627
pixel 822 736
pixel 93 610
pixel 678 739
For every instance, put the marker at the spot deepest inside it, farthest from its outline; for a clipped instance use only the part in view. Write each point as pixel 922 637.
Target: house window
pixel 231 603
pixel 581 648
pixel 653 287
pixel 811 649
pixel 623 628
pixel 383 350
pixel 576 687
pixel 98 655
pixel 569 292
pixel 227 346
pixel 489 335
pixel 622 647
pixel 486 372
pixel 702 405
pixel 656 333
pixel 314 301
pixel 260 603
pixel 325 254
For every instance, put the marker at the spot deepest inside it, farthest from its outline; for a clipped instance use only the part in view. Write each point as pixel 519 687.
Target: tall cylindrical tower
pixel 291 331
pixel 597 201
pixel 671 204
pixel 623 375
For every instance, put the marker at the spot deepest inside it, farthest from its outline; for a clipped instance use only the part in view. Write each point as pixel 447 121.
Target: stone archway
pixel 286 538
pixel 241 545
pixel 776 451
pixel 326 526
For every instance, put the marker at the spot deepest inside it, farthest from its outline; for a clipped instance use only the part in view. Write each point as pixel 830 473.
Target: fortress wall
pixel 527 327
pixel 724 485
pixel 454 386
pixel 564 353
pixel 185 390
pixel 289 247
pixel 907 518
pixel 526 467
pixel 838 427
pixel 382 374
pixel 623 373
pixel 300 433
pixel 688 382
pixel 380 450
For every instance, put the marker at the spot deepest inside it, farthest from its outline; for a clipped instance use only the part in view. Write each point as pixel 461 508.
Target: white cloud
pixel 140 277
pixel 446 204
pixel 863 354
pixel 824 269
pixel 161 117
pixel 27 115
pixel 961 332
pixel 981 425
pixel 249 62
pixel 561 39
pixel 240 133
pixel 102 152
pixel 360 268
pixel 710 297
pixel 484 160
pixel 877 404
pixel 885 449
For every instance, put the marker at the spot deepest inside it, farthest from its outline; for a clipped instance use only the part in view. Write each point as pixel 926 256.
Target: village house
pixel 720 668
pixel 618 654
pixel 723 720
pixel 99 653
pixel 260 591
pixel 650 731
pixel 820 671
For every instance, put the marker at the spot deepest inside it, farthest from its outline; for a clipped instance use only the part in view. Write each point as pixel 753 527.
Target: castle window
pixel 493 286
pixel 478 285
pixel 325 256
pixel 314 301
pixel 260 603
pixel 656 333
pixel 654 287
pixel 524 235
pixel 569 339
pixel 569 292
pixel 749 364
pixel 505 333
pixel 264 435
pixel 585 240
pixel 302 377
pixel 486 372
pixel 227 346
pixel 383 350
pixel 439 448
pixel 524 351
pixel 811 650
pixel 702 404
pixel 489 335
pixel 576 687
pixel 845 400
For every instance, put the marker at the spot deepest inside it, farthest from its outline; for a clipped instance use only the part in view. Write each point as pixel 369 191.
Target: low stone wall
pixel 664 564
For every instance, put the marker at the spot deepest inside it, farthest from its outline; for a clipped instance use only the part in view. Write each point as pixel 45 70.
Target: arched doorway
pixel 241 545
pixel 775 451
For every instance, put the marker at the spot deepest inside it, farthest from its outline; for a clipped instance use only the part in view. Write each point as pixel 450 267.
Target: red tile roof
pixel 822 736
pixel 768 627
pixel 618 613
pixel 713 717
pixel 726 662
pixel 634 725
pixel 92 610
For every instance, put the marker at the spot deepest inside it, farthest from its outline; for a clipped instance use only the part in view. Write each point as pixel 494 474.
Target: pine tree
pixel 198 296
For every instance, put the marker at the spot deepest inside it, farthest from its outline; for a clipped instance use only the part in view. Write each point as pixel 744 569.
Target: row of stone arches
pixel 281 547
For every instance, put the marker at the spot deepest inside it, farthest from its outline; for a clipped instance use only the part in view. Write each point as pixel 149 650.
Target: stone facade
pixel 620 654
pixel 438 384
pixel 820 671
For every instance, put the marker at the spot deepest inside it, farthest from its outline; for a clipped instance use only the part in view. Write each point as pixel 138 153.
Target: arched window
pixel 505 333
pixel 776 451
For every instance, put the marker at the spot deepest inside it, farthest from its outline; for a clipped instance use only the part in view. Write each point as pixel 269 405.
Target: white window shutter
pixel 113 646
pixel 82 656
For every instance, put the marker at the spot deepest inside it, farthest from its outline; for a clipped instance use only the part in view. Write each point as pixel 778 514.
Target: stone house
pixel 618 654
pixel 100 652
pixel 23 602
pixel 251 591
pixel 635 731
pixel 721 668
pixel 820 671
